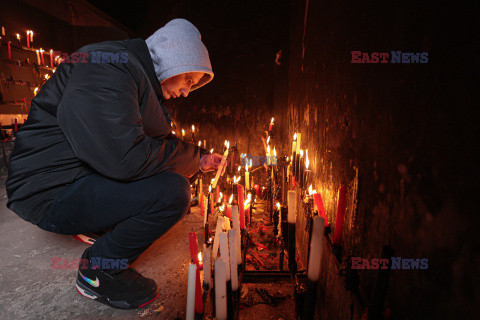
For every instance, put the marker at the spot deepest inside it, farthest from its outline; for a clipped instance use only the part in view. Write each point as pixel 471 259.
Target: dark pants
pixel 140 212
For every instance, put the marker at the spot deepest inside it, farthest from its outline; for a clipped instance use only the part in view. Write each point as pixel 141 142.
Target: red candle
pixel 342 197
pixel 28 39
pixel 202 205
pixel 318 205
pixel 241 207
pixel 192 238
pixel 270 127
pixel 51 58
pixel 41 55
pixel 198 294
pixel 217 195
pixel 247 212
pixel 9 50
pixel 228 212
pixel 212 204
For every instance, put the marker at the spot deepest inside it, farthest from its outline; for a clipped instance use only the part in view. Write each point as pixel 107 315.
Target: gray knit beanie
pixel 177 48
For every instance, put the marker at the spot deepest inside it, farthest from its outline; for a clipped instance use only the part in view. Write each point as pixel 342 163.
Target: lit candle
pixel 314 263
pixel 205 144
pixel 220 289
pixel 51 58
pixel 268 155
pixel 291 218
pixel 222 165
pixel 192 238
pixel 28 38
pixel 31 36
pixel 294 153
pixel 342 195
pixel 183 133
pixel 192 270
pixel 198 293
pixel 18 38
pixel 9 50
pixel 247 177
pixel 270 127
pixel 301 167
pixel 3 31
pixel 232 241
pixel 216 240
pixel 241 207
pixel 306 177
pixel 236 228
pixel 207 267
pixel 319 207
pixel 41 55
pixel 193 132
pixel 224 254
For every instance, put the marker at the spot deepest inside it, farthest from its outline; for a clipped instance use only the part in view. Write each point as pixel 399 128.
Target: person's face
pixel 180 84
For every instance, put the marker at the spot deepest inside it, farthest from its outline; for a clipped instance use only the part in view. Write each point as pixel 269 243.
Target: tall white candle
pixel 315 259
pixel 292 206
pixel 220 167
pixel 220 289
pixel 236 228
pixel 216 240
pixel 232 240
pixel 224 252
pixel 207 268
pixel 192 270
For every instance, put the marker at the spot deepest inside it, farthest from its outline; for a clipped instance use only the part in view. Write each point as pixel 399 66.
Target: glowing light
pixel 249 198
pixel 35 91
pixel 295 137
pixel 271 120
pixel 209 188
pixel 211 150
pixel 220 197
pixel 199 143
pixel 301 153
pixel 199 257
pixel 193 128
pixel 231 199
pixel 236 179
pixel 183 132
pixel 268 140
pixel 46 76
pixel 306 161
pixel 173 132
pixel 310 191
pixel 268 149
pixel 278 205
pixel 239 168
pixel 274 152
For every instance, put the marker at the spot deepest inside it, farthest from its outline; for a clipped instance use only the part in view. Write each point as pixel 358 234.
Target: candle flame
pixel 246 166
pixel 173 132
pixel 231 199
pixel 210 239
pixel 225 143
pixel 220 197
pixel 268 140
pixel 199 257
pixel 41 50
pixel 301 153
pixel 236 179
pixel 287 159
pixel 46 76
pixel 183 132
pixel 222 208
pixel 18 36
pixel 295 137
pixel 239 168
pixel 228 144
pixel 209 188
pixel 199 143
pixel 274 152
pixel 193 128
pixel 211 150
pixel 271 120
pixel 268 149
pixel 278 205
pixel 310 191
pixel 306 161
pixel 35 91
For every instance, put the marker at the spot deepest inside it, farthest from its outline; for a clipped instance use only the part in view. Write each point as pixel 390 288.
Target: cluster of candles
pixel 55 60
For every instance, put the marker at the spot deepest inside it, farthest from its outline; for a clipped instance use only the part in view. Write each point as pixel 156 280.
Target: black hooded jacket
pixel 98 116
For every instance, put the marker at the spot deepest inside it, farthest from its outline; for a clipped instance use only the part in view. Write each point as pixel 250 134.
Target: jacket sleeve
pixel 100 117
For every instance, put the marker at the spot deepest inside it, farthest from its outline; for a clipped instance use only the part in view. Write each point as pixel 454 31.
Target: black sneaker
pixel 119 288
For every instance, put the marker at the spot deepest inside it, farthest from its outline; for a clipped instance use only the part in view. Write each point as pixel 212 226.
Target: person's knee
pixel 179 190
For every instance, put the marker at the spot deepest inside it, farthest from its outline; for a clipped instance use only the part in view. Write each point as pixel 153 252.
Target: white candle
pixel 38 57
pixel 236 228
pixel 232 241
pixel 216 240
pixel 226 223
pixel 292 206
pixel 220 167
pixel 207 269
pixel 299 138
pixel 224 252
pixel 220 289
pixel 192 270
pixel 315 259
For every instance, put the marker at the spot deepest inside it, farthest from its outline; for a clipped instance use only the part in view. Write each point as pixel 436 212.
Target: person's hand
pixel 210 162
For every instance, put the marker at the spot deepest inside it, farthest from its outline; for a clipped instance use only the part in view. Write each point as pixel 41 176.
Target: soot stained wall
pixel 398 136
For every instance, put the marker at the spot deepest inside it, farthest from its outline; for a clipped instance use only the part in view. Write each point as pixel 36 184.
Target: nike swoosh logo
pixel 95 283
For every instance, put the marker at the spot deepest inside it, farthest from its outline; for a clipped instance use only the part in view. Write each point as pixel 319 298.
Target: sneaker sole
pixel 86 292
